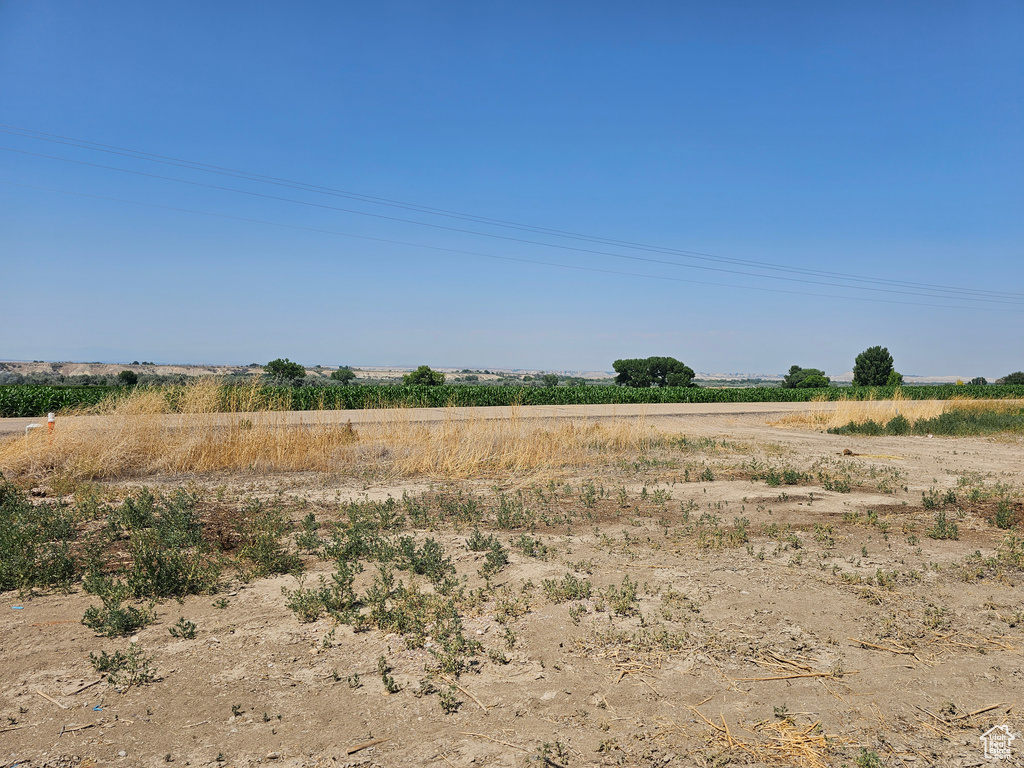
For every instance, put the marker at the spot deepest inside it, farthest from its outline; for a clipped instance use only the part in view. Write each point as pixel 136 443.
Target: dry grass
pixel 138 436
pixel 780 742
pixel 832 414
pixel 825 414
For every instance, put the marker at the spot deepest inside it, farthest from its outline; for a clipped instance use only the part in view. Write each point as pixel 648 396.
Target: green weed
pixel 943 528
pixel 184 629
pixel 125 669
pixel 263 530
pixel 569 588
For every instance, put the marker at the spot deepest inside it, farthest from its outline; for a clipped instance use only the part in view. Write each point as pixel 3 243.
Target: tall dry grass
pixel 139 436
pixel 825 414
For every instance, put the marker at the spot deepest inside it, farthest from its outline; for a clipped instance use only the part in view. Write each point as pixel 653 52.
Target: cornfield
pixel 32 401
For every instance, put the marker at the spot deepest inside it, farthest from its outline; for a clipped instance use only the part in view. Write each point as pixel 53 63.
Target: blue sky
pixel 880 140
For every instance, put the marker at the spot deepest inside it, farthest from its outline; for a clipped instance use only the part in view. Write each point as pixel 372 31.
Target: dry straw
pixel 139 435
pixel 782 742
pixel 830 414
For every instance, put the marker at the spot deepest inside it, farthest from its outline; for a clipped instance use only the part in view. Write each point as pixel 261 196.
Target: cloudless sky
pixel 875 139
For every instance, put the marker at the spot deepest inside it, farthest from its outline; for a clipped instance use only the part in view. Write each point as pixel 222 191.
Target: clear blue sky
pixel 876 139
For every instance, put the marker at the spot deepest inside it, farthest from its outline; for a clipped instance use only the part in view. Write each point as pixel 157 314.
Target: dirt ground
pixel 751 595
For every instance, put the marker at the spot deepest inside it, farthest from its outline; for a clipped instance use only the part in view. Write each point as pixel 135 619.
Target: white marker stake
pixel 50 420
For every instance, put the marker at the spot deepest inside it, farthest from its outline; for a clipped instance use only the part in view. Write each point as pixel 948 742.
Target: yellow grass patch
pixel 138 436
pixel 829 414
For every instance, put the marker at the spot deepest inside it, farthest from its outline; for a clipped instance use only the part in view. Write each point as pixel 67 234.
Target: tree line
pixel 874 367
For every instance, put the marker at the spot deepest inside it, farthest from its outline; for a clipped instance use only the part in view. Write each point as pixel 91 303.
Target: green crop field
pixel 33 401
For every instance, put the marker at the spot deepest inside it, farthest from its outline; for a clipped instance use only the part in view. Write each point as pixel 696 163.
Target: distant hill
pixel 395 372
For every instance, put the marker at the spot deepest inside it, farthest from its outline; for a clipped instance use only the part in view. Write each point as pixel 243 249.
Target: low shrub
pixel 35 542
pixel 263 547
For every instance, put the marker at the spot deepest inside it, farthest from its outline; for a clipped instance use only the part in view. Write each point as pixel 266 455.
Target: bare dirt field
pixel 737 591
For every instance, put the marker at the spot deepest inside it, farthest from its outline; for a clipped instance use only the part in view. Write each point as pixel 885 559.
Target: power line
pixel 916 288
pixel 457 251
pixel 923 292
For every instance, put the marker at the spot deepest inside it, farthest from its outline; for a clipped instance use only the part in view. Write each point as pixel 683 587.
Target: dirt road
pixel 669 410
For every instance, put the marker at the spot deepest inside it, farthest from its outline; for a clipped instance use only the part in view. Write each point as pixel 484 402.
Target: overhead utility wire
pixel 921 292
pixel 520 260
pixel 224 171
pixel 193 165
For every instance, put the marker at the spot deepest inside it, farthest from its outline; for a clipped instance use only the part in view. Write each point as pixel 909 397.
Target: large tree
pixel 872 367
pixel 805 378
pixel 424 375
pixel 284 371
pixel 652 372
pixel 1017 377
pixel 344 374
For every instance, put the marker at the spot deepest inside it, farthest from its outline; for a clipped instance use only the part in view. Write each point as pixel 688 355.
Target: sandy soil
pixel 828 628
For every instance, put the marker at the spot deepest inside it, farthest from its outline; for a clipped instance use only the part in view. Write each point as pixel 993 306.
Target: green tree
pixel 872 367
pixel 284 371
pixel 344 374
pixel 128 378
pixel 652 372
pixel 632 372
pixel 424 375
pixel 1017 377
pixel 805 378
pixel 550 379
pixel 895 379
pixel 978 380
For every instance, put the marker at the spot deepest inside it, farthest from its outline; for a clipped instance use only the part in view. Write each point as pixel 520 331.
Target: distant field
pixel 33 400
